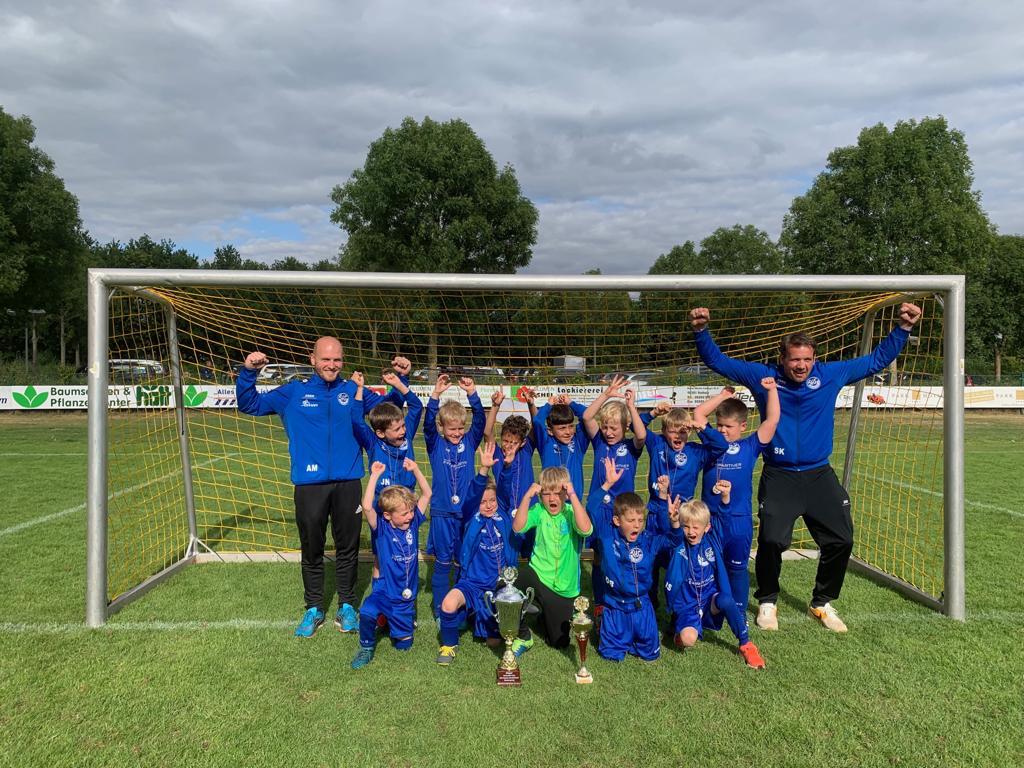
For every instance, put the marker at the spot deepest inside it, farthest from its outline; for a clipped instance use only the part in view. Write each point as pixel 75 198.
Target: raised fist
pixel 255 360
pixel 699 317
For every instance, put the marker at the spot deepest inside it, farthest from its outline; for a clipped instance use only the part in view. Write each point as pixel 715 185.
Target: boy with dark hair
pixel 451 449
pixel 560 441
pixel 389 436
pixel 698 587
pixel 732 521
pixel 513 468
pixel 628 552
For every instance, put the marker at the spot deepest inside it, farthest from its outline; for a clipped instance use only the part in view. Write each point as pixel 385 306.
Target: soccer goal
pixel 178 476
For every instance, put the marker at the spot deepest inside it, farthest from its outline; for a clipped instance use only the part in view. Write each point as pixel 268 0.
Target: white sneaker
pixel 767 617
pixel 828 617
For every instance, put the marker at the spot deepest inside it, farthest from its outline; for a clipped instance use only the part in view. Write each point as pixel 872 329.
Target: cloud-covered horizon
pixel 633 126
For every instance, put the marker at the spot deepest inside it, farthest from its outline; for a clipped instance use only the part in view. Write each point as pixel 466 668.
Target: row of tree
pixel 430 198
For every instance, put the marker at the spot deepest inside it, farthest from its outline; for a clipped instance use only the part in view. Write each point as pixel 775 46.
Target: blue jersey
pixel 398 556
pixel 803 439
pixel 696 573
pixel 682 467
pixel 556 454
pixel 317 417
pixel 515 478
pixel 451 464
pixel 488 546
pixel 737 466
pixel 627 566
pixel 625 454
pixel 391 456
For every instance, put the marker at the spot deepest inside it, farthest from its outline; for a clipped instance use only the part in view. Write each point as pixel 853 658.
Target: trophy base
pixel 509 678
pixel 583 677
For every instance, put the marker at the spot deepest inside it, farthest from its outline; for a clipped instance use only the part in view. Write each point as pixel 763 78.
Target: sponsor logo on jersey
pixel 310 404
pixel 813 383
pixel 733 449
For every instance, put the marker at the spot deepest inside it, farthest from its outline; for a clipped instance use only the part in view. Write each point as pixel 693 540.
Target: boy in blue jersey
pixel 797 480
pixel 389 436
pixel 628 624
pixel 450 447
pixel 326 467
pixel 560 441
pixel 681 461
pixel 731 513
pixel 394 519
pixel 606 421
pixel 697 586
pixel 513 468
pixel 488 546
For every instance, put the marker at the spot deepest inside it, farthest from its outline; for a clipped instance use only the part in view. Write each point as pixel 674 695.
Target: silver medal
pixel 406 593
pixel 455 499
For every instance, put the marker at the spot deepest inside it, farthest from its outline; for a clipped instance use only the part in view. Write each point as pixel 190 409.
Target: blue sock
pixel 739 583
pixel 367 630
pixel 402 645
pixel 439 585
pixel 450 623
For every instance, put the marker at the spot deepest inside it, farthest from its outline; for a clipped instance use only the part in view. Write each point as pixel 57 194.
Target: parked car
pixel 129 371
pixel 278 373
pixel 639 378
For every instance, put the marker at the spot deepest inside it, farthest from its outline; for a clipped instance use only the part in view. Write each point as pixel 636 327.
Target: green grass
pixel 176 679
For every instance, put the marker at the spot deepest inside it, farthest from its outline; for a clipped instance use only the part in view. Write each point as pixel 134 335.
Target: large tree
pixel 431 199
pixel 898 202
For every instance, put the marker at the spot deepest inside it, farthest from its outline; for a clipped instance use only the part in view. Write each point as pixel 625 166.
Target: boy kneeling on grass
pixel 697 586
pixel 394 524
pixel 562 524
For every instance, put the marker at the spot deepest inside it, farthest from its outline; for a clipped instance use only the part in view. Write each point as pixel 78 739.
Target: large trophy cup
pixel 581 626
pixel 508 607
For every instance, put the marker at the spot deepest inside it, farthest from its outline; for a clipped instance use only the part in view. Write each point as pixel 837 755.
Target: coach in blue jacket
pixel 326 468
pixel 797 480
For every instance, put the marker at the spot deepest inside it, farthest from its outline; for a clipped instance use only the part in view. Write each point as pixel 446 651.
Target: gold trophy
pixel 581 626
pixel 508 607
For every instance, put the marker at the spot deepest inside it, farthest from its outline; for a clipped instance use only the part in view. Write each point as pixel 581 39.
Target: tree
pixel 228 257
pixel 899 202
pixel 994 321
pixel 143 253
pixel 740 250
pixel 431 199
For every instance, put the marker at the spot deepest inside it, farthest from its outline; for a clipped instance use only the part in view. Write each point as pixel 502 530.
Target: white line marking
pixel 24 453
pixel 79 507
pixel 967 502
pixel 26 628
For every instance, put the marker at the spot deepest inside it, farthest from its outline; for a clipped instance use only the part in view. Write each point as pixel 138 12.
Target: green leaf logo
pixel 29 398
pixel 194 398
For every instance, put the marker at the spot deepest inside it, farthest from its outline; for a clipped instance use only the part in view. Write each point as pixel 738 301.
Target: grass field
pixel 205 671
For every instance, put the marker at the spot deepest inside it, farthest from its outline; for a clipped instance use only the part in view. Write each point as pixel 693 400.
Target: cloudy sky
pixel 633 126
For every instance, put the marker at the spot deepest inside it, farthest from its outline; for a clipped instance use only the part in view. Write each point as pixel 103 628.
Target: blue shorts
pixel 735 534
pixel 484 623
pixel 399 613
pixel 444 538
pixel 698 617
pixel 634 632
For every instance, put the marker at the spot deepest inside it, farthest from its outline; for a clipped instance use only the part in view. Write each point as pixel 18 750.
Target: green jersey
pixel 556 553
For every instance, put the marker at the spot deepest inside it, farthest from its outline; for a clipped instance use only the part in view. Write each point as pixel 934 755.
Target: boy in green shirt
pixel 561 524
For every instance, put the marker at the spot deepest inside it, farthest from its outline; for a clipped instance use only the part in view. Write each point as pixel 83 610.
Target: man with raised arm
pixel 797 480
pixel 326 468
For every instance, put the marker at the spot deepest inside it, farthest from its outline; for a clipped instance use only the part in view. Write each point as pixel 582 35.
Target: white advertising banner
pixel 62 397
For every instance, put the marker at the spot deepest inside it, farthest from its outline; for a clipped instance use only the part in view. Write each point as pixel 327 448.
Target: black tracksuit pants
pixel 314 505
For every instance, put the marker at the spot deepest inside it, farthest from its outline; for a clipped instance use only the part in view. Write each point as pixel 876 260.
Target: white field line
pixel 72 628
pixel 24 453
pixel 79 507
pixel 967 502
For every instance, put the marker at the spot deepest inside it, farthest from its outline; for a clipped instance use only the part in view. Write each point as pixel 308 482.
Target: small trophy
pixel 581 626
pixel 508 607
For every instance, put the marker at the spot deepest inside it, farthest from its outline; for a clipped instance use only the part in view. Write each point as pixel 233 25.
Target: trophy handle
pixel 528 601
pixel 488 601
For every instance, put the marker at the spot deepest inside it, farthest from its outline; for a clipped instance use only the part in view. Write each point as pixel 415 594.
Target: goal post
pixel 173 482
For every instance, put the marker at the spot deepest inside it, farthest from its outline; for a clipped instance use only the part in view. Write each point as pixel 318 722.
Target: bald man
pixel 326 468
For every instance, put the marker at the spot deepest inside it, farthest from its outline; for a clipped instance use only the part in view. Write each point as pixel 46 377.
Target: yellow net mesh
pixel 243 496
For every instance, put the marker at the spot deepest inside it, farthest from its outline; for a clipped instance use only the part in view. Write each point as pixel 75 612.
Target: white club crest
pixel 343 398
pixel 733 449
pixel 636 554
pixel 813 383
pixel 621 450
pixel 680 459
pixel 408 537
pixel 462 448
